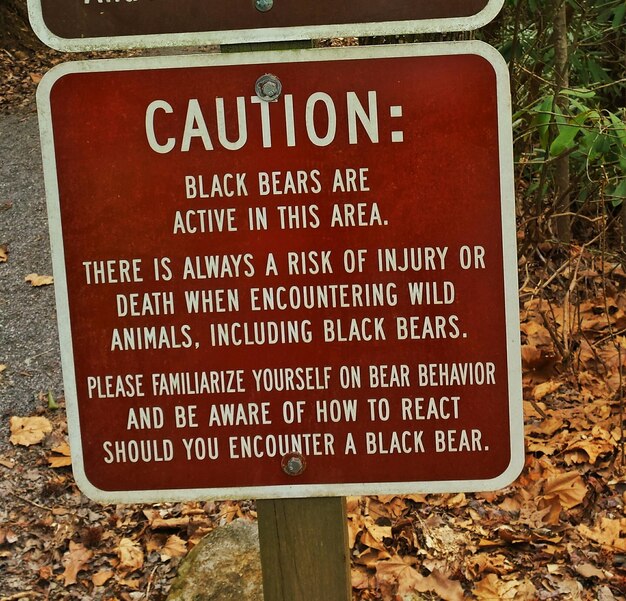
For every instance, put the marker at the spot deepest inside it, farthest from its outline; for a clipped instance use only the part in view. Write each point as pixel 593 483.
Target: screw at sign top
pixel 293 464
pixel 263 5
pixel 268 87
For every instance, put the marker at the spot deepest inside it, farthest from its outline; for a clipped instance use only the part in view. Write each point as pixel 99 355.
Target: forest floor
pixel 558 532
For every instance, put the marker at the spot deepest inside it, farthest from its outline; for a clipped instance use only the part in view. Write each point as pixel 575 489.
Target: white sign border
pixel 270 34
pixel 507 194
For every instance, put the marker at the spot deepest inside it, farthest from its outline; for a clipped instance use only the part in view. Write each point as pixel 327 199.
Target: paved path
pixel 29 345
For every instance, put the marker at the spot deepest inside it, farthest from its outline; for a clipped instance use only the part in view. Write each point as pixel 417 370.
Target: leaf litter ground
pixel 559 532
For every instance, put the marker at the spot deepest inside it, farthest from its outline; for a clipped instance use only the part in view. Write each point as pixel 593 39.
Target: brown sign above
pixel 105 24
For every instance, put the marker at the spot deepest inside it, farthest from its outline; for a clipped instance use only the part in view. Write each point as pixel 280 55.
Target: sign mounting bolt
pixel 263 5
pixel 293 464
pixel 268 87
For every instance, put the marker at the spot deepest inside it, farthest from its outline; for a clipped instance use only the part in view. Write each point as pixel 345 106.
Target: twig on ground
pixel 33 503
pixel 22 595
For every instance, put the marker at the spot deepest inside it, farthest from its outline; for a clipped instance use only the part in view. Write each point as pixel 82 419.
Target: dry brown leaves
pixel 27 431
pixel 559 531
pixel 130 555
pixel 36 280
pixel 610 533
pixel 60 456
pixel 75 559
pixel 77 549
pixel 24 61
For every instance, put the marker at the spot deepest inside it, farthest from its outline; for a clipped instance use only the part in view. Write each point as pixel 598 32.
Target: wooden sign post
pixel 304 549
pixel 287 276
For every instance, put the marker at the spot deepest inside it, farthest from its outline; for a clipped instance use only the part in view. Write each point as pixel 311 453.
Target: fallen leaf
pixel 102 577
pixel 158 523
pixel 440 584
pixel 485 543
pixel 397 507
pixel 605 594
pixel 510 504
pixel 594 445
pixel 374 534
pixel 74 561
pixel 569 488
pixel 607 532
pixel 27 431
pixel 536 334
pixel 490 564
pixel 6 462
pixel 130 555
pixel 46 572
pixel 62 449
pixel 151 515
pixel 230 511
pixel 409 579
pixel 370 558
pixel 35 77
pixel 512 536
pixel 542 390
pixel 458 500
pixel 61 457
pixel 546 427
pixel 199 534
pixel 417 498
pixel 4 253
pixel 586 570
pixel 492 588
pixel 174 547
pixel 397 571
pixel 39 280
pixel 359 579
pixel 532 357
pixel 133 583
pixel 154 543
pixel 10 537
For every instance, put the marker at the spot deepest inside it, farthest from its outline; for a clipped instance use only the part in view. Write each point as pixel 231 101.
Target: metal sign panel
pixel 313 295
pixel 97 24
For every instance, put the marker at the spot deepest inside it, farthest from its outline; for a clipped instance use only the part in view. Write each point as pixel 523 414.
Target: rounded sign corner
pixel 509 475
pixel 87 488
pixel 51 77
pixel 491 55
pixel 488 14
pixel 43 32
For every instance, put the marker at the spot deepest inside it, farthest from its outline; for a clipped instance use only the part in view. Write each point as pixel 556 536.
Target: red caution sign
pixel 98 24
pixel 287 278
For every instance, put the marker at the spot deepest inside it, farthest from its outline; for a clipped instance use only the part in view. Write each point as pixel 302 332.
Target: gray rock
pixel 224 566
